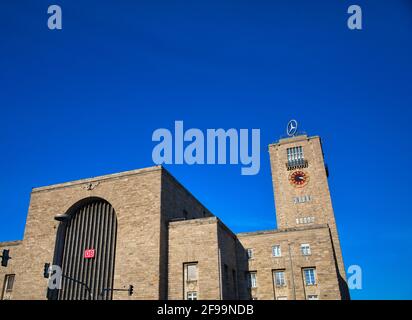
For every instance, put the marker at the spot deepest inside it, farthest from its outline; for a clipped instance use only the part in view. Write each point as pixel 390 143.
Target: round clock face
pixel 298 178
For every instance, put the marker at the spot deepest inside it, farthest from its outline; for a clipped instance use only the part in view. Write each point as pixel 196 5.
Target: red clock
pixel 298 178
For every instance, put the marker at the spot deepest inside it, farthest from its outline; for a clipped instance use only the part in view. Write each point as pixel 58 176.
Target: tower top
pixel 297 138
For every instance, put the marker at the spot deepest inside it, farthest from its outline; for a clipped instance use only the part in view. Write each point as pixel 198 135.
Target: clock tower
pixel 300 182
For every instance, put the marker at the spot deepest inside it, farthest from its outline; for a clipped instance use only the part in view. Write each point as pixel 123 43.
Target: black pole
pixel 130 290
pixel 81 283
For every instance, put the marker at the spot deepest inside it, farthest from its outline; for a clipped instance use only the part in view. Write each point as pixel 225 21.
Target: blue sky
pixel 84 101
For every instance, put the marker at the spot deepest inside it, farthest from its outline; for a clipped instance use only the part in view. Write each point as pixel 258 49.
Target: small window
pixel 305 249
pixel 250 253
pixel 253 280
pixel 279 276
pixel 313 297
pixel 276 251
pixel 310 276
pixel 305 220
pixel 9 282
pixel 192 295
pixel 191 272
pixel 282 298
pixel 302 199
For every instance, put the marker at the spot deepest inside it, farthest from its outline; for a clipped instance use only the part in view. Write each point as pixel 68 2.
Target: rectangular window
pixel 192 295
pixel 276 252
pixel 313 297
pixel 253 280
pixel 305 249
pixel 295 154
pixel 9 282
pixel 305 220
pixel 250 253
pixel 191 272
pixel 282 298
pixel 8 287
pixel 296 158
pixel 279 276
pixel 310 276
pixel 302 199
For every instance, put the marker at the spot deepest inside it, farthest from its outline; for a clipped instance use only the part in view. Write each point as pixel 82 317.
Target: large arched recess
pixel 92 224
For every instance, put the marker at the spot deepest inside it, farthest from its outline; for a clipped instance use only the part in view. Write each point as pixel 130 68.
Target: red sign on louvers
pixel 89 253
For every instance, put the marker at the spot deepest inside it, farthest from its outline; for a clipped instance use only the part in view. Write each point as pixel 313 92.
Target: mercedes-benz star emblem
pixel 292 128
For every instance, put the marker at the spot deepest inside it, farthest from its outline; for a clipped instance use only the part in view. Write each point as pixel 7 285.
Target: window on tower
pixel 276 251
pixel 191 295
pixel 191 271
pixel 252 279
pixel 305 249
pixel 250 253
pixel 309 276
pixel 9 282
pixel 279 278
pixel 302 199
pixel 296 158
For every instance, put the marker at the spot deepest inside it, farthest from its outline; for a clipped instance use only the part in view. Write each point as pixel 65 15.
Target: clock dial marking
pixel 298 178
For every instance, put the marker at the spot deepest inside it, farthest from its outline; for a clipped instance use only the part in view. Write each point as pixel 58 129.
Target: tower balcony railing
pixel 297 164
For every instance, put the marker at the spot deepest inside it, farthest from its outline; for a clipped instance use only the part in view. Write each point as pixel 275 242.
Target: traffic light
pixel 46 271
pixel 131 290
pixel 5 258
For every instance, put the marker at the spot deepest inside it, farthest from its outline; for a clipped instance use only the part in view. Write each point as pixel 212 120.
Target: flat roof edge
pixel 293 139
pixel 11 243
pixel 278 231
pixel 98 178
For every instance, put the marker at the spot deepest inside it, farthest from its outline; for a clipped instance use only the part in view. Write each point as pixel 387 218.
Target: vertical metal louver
pixel 93 225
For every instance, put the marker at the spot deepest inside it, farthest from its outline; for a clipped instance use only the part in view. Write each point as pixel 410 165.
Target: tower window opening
pixel 296 158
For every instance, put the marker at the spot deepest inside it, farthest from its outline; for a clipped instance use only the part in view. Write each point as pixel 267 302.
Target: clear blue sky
pixel 85 100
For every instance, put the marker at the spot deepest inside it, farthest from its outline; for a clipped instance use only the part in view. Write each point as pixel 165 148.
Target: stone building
pixel 143 228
